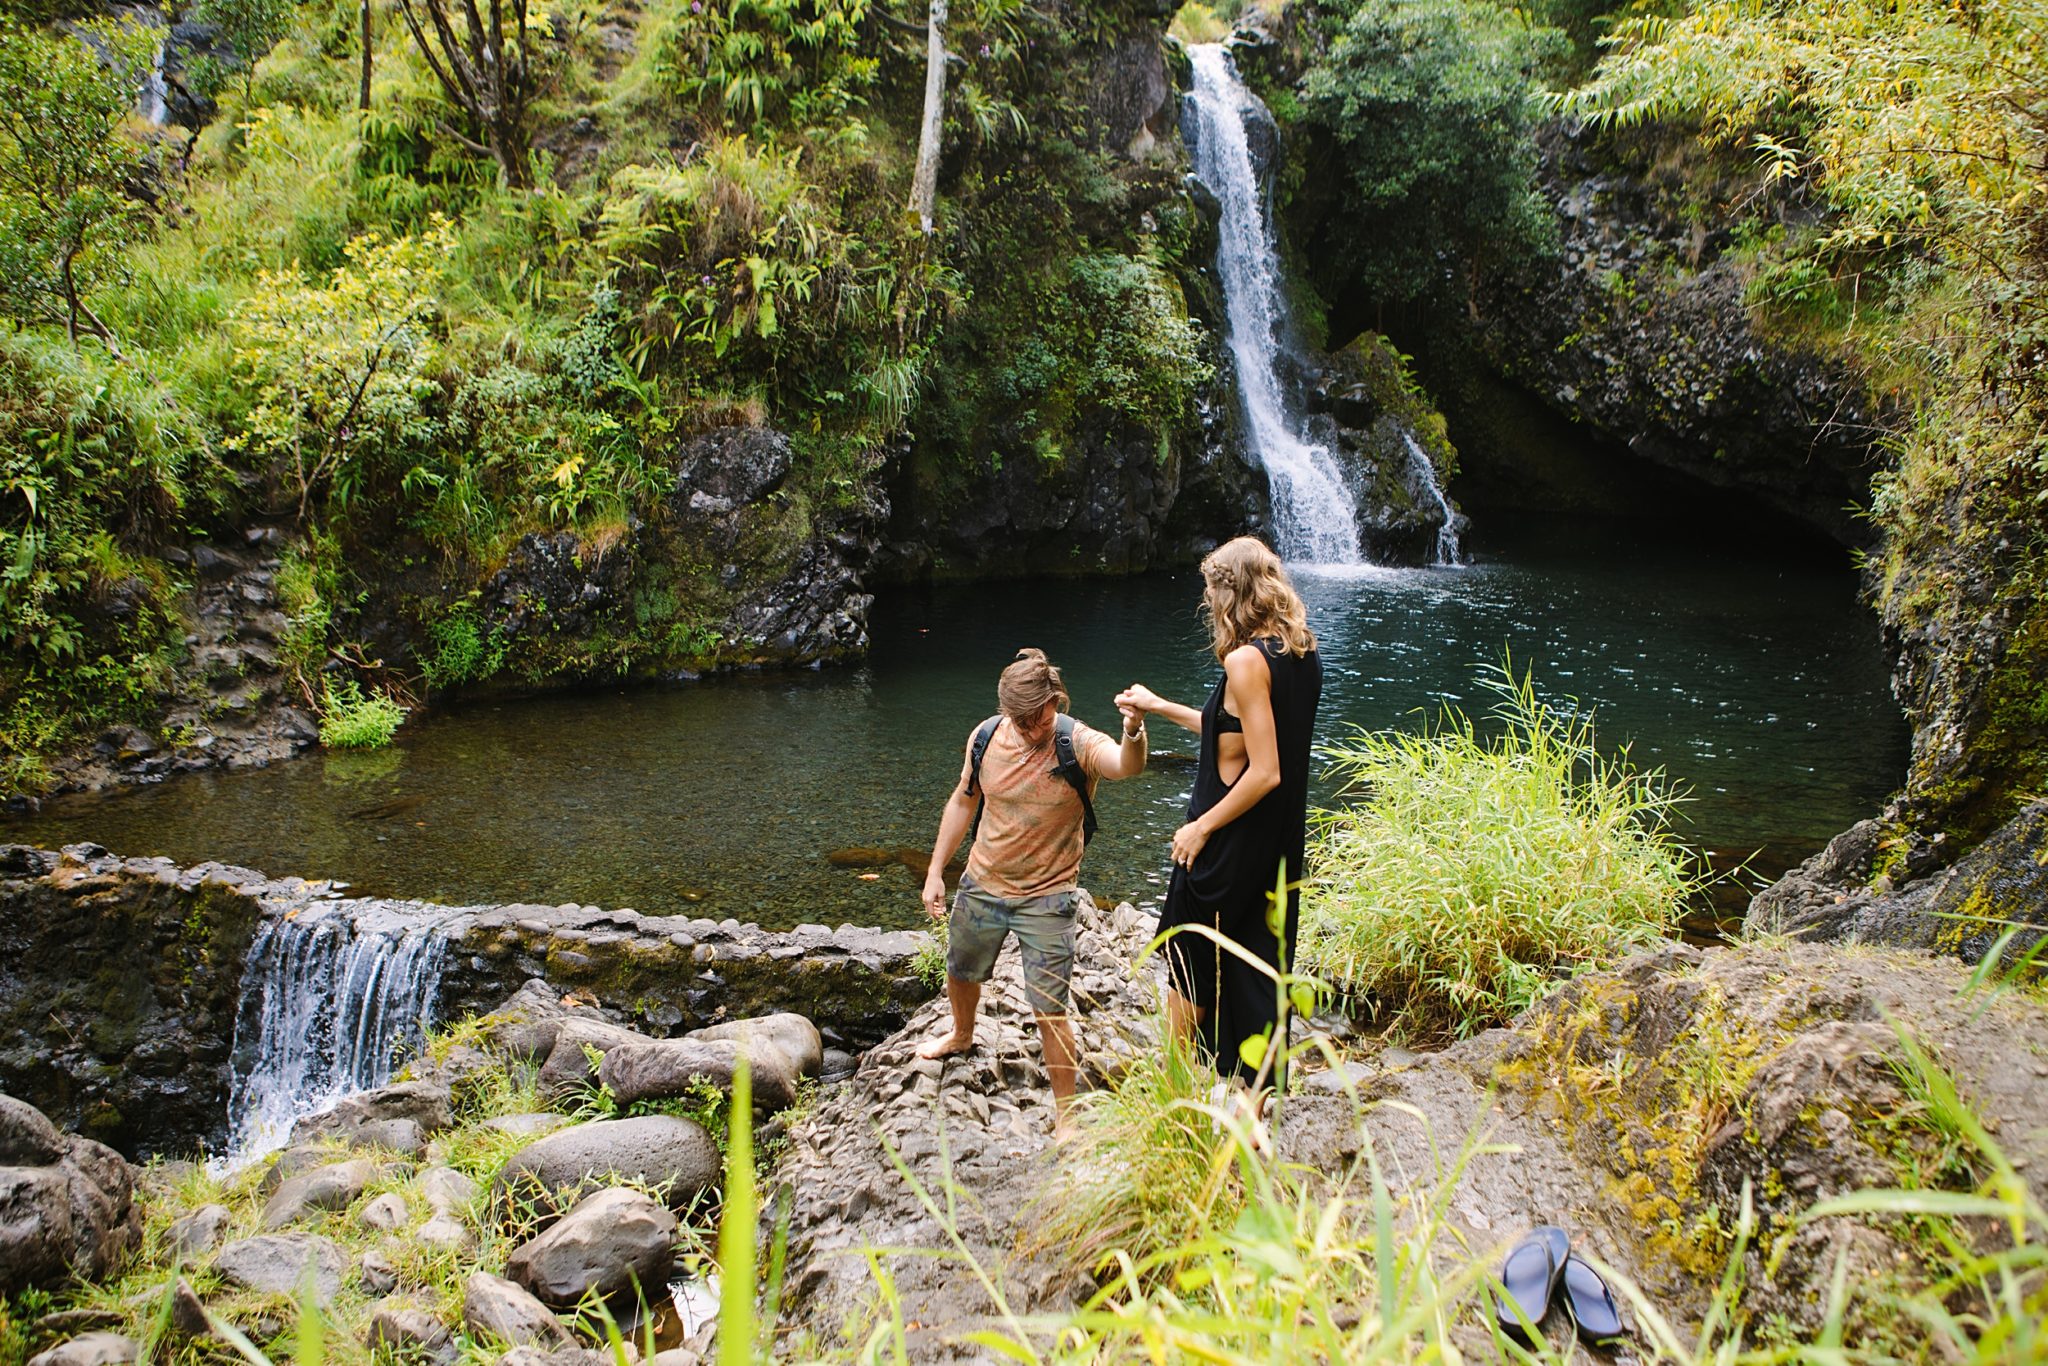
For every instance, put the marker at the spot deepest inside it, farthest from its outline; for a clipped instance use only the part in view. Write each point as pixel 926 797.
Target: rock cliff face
pixel 120 979
pixel 1638 331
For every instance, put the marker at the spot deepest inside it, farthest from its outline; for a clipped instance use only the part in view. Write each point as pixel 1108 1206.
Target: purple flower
pixel 696 6
pixel 984 49
pixel 707 279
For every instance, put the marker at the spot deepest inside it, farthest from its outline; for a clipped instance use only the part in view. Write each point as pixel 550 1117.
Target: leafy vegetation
pixel 1473 872
pixel 353 719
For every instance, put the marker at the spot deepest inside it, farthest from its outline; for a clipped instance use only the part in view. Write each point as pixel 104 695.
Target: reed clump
pixel 1473 868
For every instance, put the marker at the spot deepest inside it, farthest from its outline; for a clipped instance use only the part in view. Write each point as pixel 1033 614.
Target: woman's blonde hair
pixel 1247 595
pixel 1028 684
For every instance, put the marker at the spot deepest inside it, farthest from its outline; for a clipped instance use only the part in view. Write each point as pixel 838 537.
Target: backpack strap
pixel 978 747
pixel 1069 768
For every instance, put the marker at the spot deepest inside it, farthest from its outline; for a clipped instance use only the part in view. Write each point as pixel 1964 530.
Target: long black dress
pixel 1230 886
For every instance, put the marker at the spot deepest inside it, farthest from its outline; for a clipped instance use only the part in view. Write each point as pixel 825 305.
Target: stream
pixel 1759 683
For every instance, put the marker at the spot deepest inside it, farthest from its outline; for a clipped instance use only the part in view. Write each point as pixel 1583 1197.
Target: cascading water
pixel 1315 518
pixel 329 1006
pixel 1448 551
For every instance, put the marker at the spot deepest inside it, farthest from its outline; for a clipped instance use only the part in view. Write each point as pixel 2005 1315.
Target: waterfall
pixel 329 1006
pixel 1315 518
pixel 1448 551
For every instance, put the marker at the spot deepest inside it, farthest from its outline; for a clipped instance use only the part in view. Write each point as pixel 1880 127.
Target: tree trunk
pixel 363 95
pixel 924 185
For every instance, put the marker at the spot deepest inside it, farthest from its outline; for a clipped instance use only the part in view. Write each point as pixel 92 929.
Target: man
pixel 1022 871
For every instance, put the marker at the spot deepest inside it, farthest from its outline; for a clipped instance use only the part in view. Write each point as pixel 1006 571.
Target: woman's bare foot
pixel 945 1046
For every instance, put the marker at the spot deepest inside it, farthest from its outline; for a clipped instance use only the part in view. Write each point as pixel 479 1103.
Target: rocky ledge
pixel 120 979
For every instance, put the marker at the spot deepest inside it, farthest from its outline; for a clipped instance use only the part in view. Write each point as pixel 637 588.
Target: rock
pixel 526 1024
pixel 615 1242
pixel 400 1136
pixel 795 1035
pixel 276 1263
pixel 188 1312
pixel 67 1204
pixel 385 1214
pixel 446 1190
pixel 667 1068
pixel 445 1233
pixel 837 1063
pixel 93 1349
pixel 297 1161
pixel 198 1232
pixel 376 1275
pixel 406 1329
pixel 565 1356
pixel 360 1119
pixel 568 1067
pixel 332 1187
pixel 662 1152
pixel 497 1308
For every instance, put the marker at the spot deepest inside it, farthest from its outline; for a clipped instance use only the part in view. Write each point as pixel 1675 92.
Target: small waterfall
pixel 1448 551
pixel 329 1006
pixel 152 104
pixel 1315 517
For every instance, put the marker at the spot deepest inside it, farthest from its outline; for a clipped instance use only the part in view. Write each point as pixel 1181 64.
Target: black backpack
pixel 1069 768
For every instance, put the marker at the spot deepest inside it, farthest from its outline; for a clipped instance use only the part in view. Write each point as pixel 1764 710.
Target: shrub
pixel 353 719
pixel 1473 874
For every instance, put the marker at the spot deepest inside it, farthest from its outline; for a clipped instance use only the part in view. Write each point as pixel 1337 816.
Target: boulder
pixel 666 1068
pixel 92 1349
pixel 795 1035
pixel 407 1330
pixel 296 1161
pixel 385 1214
pixel 445 1233
pixel 199 1232
pixel 401 1136
pixel 188 1313
pixel 446 1190
pixel 67 1204
pixel 568 1066
pixel 493 1307
pixel 615 1242
pixel 661 1152
pixel 525 1025
pixel 376 1274
pixel 332 1187
pixel 359 1119
pixel 276 1264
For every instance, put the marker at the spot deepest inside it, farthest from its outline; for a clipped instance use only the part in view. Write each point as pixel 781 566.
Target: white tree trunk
pixel 924 185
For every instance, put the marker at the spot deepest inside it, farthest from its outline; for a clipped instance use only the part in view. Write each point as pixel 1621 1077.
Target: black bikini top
pixel 1226 724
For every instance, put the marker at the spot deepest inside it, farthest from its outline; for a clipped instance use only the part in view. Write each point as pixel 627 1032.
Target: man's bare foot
pixel 945 1046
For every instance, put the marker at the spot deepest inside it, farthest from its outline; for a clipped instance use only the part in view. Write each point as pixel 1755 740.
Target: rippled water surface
pixel 1759 684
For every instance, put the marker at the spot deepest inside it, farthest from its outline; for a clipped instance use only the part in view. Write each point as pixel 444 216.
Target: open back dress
pixel 1230 885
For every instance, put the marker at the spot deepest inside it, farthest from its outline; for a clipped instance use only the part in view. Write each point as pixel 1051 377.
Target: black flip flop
pixel 1529 1277
pixel 1594 1312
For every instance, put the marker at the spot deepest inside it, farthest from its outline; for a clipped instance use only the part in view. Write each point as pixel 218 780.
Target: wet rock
pixel 662 1152
pixel 332 1187
pixel 406 1329
pixel 667 1068
pixel 276 1263
pixel 493 1307
pixel 92 1349
pixel 67 1204
pixel 614 1242
pixel 199 1232
pixel 363 1119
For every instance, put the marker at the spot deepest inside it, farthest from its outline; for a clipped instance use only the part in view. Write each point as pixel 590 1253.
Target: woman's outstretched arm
pixel 1145 700
pixel 1251 696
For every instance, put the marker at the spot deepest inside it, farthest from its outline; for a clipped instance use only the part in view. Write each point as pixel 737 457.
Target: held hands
pixel 1137 700
pixel 935 895
pixel 1188 842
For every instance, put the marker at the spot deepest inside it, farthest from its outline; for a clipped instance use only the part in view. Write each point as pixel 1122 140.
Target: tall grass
pixel 1472 871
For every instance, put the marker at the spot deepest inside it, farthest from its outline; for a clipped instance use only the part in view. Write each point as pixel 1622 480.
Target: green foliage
pixel 928 964
pixel 248 29
pixel 67 168
pixel 1431 104
pixel 1195 22
pixel 1474 874
pixel 342 370
pixel 353 719
pixel 762 62
pixel 460 649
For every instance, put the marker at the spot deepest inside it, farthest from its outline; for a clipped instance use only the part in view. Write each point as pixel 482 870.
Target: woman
pixel 1247 818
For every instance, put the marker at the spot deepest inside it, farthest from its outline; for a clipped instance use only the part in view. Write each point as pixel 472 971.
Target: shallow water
pixel 1759 684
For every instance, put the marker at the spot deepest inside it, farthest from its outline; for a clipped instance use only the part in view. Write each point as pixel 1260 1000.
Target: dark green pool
pixel 1760 684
